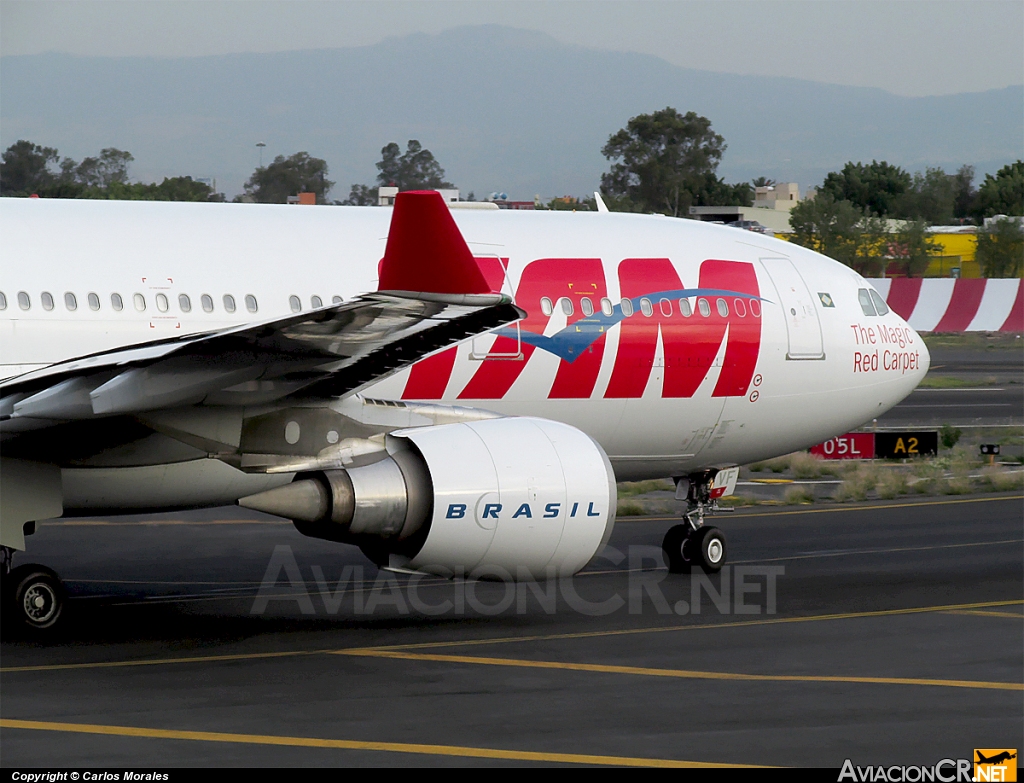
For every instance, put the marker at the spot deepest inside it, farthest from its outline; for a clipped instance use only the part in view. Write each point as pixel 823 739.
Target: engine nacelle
pixel 502 497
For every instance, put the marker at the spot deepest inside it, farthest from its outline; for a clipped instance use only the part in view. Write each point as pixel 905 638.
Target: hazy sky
pixel 904 46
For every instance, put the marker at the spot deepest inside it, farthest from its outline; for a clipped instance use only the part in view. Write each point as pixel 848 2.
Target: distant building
pixel 306 199
pixel 386 195
pixel 503 202
pixel 770 211
pixel 780 196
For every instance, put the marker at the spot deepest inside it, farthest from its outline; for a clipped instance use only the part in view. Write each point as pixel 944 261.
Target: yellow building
pixel 958 252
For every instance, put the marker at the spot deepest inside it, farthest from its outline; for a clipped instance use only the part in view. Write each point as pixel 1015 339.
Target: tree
pixel 361 196
pixel 762 182
pixel 1001 248
pixel 25 168
pixel 571 204
pixel 111 166
pixel 964 194
pixel 666 162
pixel 1002 194
pixel 871 187
pixel 171 189
pixel 931 197
pixel 415 169
pixel 298 173
pixel 827 225
pixel 912 248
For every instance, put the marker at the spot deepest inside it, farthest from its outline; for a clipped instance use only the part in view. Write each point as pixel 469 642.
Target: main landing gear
pixel 33 596
pixel 694 544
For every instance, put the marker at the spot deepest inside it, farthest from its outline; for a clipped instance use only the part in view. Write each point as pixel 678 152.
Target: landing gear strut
pixel 693 543
pixel 33 595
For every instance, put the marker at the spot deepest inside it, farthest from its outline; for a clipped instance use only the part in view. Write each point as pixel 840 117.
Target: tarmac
pixel 886 632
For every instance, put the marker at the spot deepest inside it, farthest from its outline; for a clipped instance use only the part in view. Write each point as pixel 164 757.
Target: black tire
pixel 711 548
pixel 35 597
pixel 678 547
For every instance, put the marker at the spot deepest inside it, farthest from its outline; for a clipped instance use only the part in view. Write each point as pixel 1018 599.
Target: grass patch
pixel 1003 480
pixel 633 488
pixel 798 496
pixel 629 508
pixel 988 340
pixel 952 382
pixel 892 483
pixel 857 483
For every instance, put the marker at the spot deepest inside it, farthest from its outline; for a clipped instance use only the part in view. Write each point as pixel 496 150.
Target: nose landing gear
pixel 693 543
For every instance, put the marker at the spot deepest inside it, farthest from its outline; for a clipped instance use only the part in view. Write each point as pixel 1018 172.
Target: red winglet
pixel 426 251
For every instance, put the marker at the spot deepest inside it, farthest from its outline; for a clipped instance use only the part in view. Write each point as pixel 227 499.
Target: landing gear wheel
pixel 35 597
pixel 710 547
pixel 680 549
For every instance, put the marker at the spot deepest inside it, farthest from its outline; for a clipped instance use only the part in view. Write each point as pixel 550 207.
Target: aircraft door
pixel 803 327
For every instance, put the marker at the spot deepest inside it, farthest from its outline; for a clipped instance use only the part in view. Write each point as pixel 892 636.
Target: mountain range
pixel 502 109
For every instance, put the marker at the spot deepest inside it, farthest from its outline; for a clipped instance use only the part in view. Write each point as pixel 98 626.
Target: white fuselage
pixel 793 358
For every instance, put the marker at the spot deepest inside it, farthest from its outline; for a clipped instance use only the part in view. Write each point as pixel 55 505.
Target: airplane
pixel 996 759
pixel 455 391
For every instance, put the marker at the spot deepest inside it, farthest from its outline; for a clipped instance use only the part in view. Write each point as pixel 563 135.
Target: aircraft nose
pixel 925 358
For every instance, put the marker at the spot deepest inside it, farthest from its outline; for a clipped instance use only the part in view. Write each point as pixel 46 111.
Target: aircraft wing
pixel 433 295
pixel 327 352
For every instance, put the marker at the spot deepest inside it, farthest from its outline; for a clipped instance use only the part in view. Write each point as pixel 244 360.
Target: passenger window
pixel 3 301
pixel 880 304
pixel 684 308
pixel 184 303
pixel 704 307
pixel 23 301
pixel 587 306
pixel 116 302
pixel 723 308
pixel 46 300
pixel 606 306
pixel 627 307
pixel 666 307
pixel 70 301
pixel 739 307
pixel 161 303
pixel 567 308
pixel 294 303
pixel 94 301
pixel 250 303
pixel 315 302
pixel 865 301
pixel 140 302
pixel 207 302
pixel 545 306
pixel 336 299
pixel 229 303
pixel 646 307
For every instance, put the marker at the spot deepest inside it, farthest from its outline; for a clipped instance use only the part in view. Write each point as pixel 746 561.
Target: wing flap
pixel 331 351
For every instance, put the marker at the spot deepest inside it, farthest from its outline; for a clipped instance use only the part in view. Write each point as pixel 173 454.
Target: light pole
pixel 260 145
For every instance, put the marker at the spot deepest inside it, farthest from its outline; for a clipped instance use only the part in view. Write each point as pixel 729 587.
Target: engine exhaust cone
pixel 305 500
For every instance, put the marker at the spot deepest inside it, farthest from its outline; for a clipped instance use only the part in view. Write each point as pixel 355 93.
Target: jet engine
pixel 515 496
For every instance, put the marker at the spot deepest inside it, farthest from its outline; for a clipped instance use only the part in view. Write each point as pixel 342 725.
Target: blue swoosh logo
pixel 572 341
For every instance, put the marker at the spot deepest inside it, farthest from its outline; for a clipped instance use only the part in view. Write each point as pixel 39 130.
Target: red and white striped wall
pixel 948 305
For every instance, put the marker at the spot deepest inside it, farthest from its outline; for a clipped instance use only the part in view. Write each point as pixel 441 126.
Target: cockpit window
pixel 865 301
pixel 880 304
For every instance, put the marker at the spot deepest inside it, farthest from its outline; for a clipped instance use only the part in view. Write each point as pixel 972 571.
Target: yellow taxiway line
pixel 338 744
pixel 686 674
pixel 511 639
